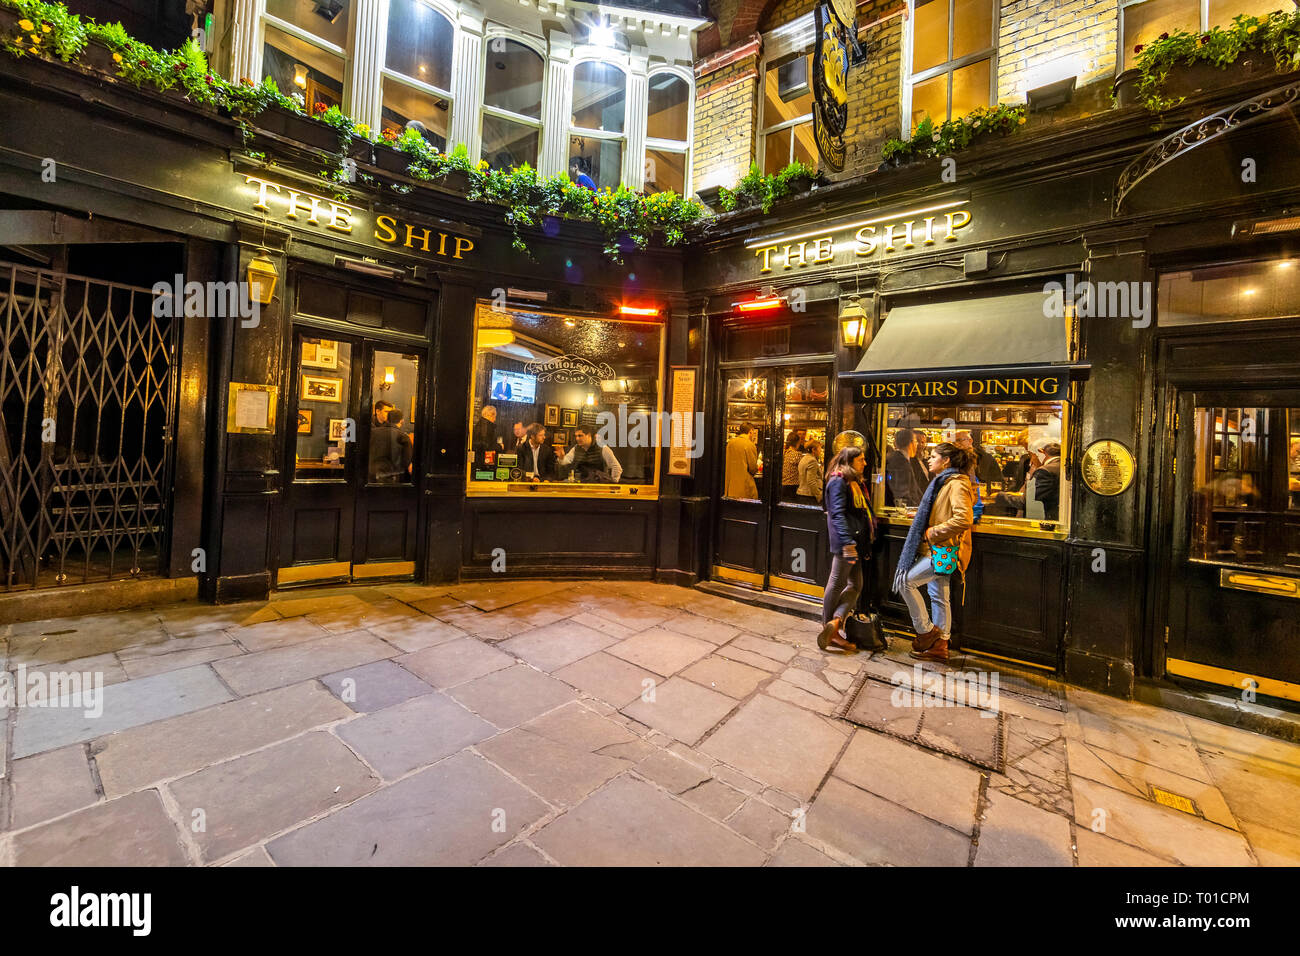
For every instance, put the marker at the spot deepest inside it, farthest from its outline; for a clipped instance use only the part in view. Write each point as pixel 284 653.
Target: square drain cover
pixel 1167 798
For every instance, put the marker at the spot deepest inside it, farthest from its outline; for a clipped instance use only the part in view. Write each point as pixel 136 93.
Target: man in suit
pixel 536 457
pixel 485 431
pixel 742 464
pixel 903 485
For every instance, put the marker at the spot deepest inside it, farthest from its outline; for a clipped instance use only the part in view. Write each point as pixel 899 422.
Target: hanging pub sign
pixel 830 85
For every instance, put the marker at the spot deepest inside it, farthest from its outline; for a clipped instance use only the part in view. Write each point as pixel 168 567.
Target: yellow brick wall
pixel 725 117
pixel 1042 41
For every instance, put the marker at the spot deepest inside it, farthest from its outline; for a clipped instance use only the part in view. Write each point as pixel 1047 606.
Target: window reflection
pixel 298 66
pixel 323 399
pixel 599 97
pixel 419 43
pixel 394 387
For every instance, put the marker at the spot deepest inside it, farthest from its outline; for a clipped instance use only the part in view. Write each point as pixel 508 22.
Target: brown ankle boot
pixel 938 651
pixel 923 641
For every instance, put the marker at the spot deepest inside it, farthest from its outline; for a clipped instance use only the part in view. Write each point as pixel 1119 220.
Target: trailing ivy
pixel 755 189
pixel 626 219
pixel 930 141
pixel 1276 35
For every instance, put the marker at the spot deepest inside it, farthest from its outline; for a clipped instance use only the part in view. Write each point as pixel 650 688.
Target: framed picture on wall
pixel 552 414
pixel 559 437
pixel 304 421
pixel 322 353
pixel 321 388
pixel 570 417
pixel 338 429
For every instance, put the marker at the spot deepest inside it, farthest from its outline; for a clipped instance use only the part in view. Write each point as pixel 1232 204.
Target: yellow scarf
pixel 860 498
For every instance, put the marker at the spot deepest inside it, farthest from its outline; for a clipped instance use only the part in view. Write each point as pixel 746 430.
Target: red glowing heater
pixel 636 310
pixel 759 305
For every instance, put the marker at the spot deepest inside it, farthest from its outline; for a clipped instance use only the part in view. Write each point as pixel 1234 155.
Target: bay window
pixel 417 70
pixel 512 104
pixel 668 155
pixel 597 134
pixel 787 114
pixel 305 49
pixel 952 69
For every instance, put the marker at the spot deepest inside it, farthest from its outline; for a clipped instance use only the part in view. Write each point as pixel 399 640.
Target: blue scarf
pixel 919 525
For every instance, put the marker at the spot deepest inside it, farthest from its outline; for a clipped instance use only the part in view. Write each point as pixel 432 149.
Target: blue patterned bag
pixel 943 558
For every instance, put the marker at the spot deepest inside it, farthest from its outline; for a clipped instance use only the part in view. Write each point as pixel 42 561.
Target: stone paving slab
pixel 1095 849
pixel 257 856
pixel 413 734
pixel 761 823
pixel 163 663
pixel 455 662
pixel 107 665
pixel 682 709
pixel 797 853
pixel 557 645
pixel 279 633
pixel 1262 792
pixel 775 650
pixel 876 831
pixel 778 744
pixel 1015 833
pixel 726 677
pixel 662 652
pixel 513 695
pixel 607 678
pixel 714 798
pixel 134 758
pixel 416 633
pixel 375 686
pixel 577 725
pixel 562 775
pixel 73 638
pixel 631 823
pixel 280 666
pixel 705 628
pixel 1169 833
pixel 246 800
pixel 442 816
pixel 520 854
pixel 749 657
pixel 133 830
pixel 51 784
pixel 125 705
pixel 671 772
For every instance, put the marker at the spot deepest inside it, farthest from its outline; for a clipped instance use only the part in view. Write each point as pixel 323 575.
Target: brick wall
pixel 874 89
pixel 1042 41
pixel 725 118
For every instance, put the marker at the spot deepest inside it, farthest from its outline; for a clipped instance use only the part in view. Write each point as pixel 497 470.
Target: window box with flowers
pixel 933 140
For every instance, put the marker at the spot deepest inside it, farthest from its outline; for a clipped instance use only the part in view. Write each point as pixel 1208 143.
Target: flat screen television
pixel 512 387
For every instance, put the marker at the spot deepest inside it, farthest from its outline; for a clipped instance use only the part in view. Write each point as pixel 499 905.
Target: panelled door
pixel 352 457
pixel 768 534
pixel 1234 576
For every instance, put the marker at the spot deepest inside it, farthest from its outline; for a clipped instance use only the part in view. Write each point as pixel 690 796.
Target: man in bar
pixel 590 461
pixel 537 458
pixel 902 487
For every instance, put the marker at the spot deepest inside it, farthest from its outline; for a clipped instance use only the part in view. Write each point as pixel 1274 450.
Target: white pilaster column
pixel 638 106
pixel 245 50
pixel 467 82
pixel 364 97
pixel 557 109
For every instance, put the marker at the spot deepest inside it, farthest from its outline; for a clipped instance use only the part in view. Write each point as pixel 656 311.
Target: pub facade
pixel 1057 293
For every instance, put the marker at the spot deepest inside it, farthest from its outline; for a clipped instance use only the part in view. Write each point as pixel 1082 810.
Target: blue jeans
pixel 938 586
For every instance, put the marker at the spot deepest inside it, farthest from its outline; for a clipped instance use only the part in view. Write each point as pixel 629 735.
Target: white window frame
pixel 1122 45
pixel 428 89
pixel 783 43
pixel 344 54
pixel 623 67
pixel 497 32
pixel 949 66
pixel 679 147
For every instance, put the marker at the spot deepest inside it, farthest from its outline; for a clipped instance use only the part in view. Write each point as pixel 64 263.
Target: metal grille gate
pixel 87 408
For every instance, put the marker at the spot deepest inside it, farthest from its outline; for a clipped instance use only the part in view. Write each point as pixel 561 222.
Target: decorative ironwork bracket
pixel 1202 131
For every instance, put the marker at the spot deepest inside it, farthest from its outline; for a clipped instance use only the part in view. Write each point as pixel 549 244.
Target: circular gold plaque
pixel 844 439
pixel 1107 467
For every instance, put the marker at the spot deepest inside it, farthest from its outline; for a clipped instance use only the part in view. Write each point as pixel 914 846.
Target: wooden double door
pixel 352 458
pixel 767 534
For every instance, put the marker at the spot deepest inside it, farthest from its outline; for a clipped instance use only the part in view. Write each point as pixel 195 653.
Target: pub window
pixel 668 149
pixel 597 137
pixel 306 44
pixel 953 52
pixel 1018 465
pixel 512 104
pixel 417 70
pixel 1142 21
pixel 787 131
pixel 1246 498
pixel 1230 292
pixel 565 404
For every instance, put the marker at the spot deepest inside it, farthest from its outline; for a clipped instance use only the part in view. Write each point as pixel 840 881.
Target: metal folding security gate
pixel 87 408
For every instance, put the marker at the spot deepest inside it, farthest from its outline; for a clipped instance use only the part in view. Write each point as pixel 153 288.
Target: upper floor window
pixel 417 70
pixel 667 148
pixel 787 130
pixel 597 137
pixel 952 70
pixel 1142 21
pixel 512 104
pixel 305 48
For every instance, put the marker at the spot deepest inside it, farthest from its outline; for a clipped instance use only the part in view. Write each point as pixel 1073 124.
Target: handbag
pixel 865 629
pixel 943 558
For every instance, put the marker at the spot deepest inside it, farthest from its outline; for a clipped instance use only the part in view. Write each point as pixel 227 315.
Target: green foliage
pixel 930 141
pixel 755 189
pixel 625 218
pixel 1276 35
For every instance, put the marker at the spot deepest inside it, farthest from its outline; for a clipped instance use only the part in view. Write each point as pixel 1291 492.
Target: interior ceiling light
pixel 328 9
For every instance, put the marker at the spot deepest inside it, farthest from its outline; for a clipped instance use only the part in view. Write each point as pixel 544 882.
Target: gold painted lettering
pixel 866 244
pixel 929 230
pixel 462 242
pixel 339 218
pixel 410 235
pixel 954 225
pixel 262 185
pixel 766 253
pixel 295 203
pixel 802 253
pixel 823 250
pixel 442 243
pixel 388 224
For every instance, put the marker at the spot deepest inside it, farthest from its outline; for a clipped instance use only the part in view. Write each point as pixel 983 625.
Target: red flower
pixel 1138 48
pixel 321 107
pixel 1164 36
pixel 1205 38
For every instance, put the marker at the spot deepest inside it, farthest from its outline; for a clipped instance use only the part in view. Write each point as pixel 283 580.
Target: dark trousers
pixel 842 589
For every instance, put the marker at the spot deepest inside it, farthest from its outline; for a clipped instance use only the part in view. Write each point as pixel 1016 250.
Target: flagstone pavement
pixel 538 723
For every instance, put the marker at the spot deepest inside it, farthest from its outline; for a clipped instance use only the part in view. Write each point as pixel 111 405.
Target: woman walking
pixel 938 543
pixel 849 523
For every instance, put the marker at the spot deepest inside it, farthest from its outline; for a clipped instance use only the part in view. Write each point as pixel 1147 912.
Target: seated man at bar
pixel 590 461
pixel 537 458
pixel 520 437
pixel 1047 479
pixel 902 486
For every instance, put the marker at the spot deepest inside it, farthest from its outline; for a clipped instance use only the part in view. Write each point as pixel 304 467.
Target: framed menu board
pixel 682 421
